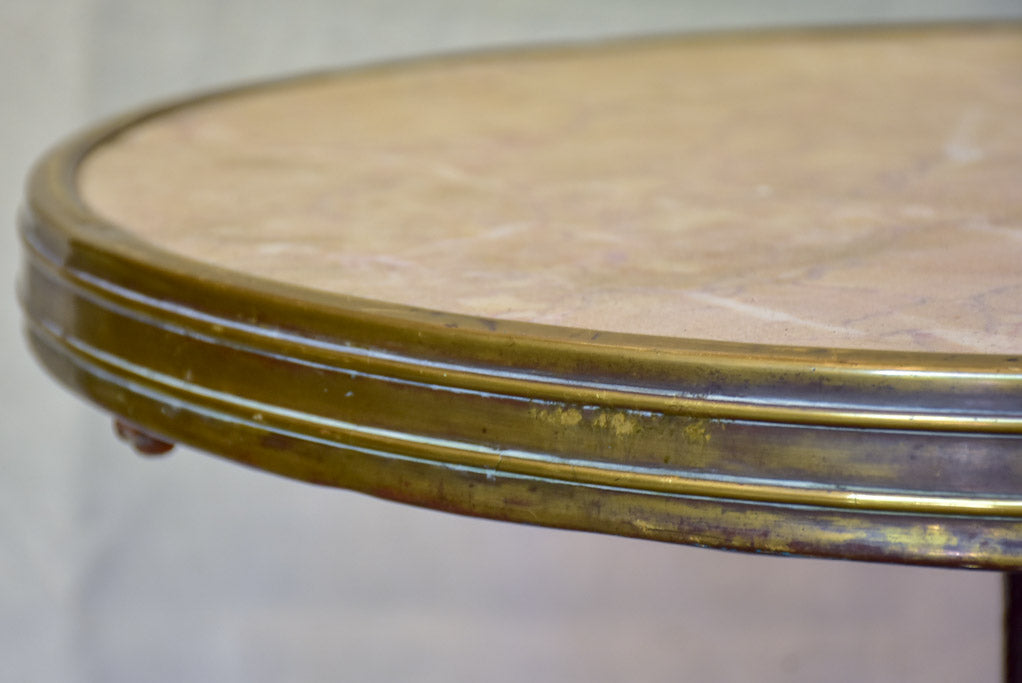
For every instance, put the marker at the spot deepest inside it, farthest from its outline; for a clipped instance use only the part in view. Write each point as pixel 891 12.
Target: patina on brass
pixel 863 454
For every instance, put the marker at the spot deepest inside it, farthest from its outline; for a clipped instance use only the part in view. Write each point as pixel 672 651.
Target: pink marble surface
pixel 845 189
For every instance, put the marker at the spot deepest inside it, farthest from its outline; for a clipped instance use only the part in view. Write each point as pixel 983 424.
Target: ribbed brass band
pixel 580 472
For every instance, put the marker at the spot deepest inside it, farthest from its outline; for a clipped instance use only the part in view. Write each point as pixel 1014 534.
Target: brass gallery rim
pixel 876 455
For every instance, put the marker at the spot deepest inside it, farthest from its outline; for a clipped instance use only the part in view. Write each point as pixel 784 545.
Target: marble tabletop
pixel 842 188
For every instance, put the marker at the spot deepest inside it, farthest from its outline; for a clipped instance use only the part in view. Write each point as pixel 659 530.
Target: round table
pixel 749 291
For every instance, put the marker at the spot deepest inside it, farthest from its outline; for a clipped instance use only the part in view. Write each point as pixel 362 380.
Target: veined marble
pixel 845 188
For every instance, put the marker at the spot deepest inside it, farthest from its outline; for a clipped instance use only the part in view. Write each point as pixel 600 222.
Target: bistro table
pixel 757 291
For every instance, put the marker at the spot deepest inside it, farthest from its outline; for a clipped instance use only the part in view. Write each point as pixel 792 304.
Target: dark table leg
pixel 1013 627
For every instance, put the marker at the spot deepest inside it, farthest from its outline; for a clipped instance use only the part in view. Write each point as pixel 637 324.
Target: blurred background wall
pixel 114 568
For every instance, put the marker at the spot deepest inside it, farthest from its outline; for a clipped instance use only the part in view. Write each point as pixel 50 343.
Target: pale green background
pixel 113 568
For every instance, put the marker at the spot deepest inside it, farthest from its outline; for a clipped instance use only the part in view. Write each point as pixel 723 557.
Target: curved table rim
pixel 223 361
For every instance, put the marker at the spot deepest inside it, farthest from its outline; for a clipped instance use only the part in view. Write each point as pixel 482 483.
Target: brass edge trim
pixel 458 454
pixel 503 381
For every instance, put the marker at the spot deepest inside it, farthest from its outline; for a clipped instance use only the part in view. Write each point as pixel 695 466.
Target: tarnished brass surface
pixel 875 455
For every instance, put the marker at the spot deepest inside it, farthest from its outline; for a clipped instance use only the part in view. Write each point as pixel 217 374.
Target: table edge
pixel 110 315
